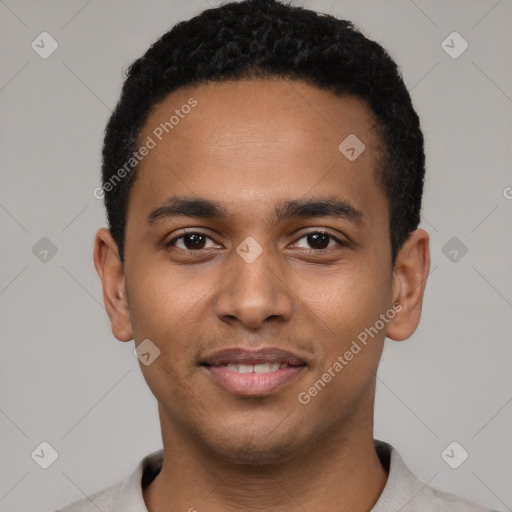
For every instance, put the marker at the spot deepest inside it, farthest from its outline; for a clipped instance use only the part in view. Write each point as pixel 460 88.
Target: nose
pixel 253 292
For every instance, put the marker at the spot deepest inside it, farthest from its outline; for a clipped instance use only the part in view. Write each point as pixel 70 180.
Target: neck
pixel 339 468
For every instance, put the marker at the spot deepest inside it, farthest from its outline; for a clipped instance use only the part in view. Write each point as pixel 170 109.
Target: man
pixel 263 174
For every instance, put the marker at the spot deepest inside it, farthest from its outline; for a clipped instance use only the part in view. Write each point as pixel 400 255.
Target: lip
pixel 252 384
pixel 245 356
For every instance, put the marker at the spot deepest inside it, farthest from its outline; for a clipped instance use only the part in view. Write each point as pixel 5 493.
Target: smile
pixel 252 373
pixel 255 368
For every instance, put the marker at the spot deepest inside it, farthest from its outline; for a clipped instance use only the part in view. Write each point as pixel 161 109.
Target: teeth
pixel 256 368
pixel 262 368
pixel 245 368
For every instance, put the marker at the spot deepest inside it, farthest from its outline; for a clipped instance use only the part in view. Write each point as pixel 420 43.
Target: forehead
pixel 294 111
pixel 262 138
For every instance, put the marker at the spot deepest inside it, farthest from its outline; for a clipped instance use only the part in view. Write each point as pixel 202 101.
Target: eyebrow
pixel 200 207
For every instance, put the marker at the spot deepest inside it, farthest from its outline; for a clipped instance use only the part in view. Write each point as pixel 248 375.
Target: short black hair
pixel 261 39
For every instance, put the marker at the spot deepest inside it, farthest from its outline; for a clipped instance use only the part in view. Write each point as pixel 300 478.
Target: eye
pixel 320 240
pixel 192 241
pixel 196 241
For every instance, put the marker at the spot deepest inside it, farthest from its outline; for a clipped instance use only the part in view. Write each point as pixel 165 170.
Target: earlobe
pixel 410 275
pixel 109 268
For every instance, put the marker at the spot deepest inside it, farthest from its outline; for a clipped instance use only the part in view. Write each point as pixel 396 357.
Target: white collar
pixel 403 491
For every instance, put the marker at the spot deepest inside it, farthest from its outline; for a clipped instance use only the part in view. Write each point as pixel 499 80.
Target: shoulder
pixel 433 500
pixel 404 492
pixel 124 495
pixel 102 500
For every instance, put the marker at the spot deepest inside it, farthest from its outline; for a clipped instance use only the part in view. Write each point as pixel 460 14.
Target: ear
pixel 109 268
pixel 410 275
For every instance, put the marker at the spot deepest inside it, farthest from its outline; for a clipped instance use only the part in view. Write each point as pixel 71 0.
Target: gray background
pixel 67 381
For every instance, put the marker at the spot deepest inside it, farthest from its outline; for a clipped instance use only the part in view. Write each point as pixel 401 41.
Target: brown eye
pixel 190 241
pixel 320 240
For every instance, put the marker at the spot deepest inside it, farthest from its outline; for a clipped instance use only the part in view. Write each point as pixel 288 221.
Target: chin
pixel 256 453
pixel 255 444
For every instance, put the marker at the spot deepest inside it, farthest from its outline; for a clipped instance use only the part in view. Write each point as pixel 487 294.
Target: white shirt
pixel 403 491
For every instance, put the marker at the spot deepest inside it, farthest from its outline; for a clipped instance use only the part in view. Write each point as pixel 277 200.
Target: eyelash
pixel 340 243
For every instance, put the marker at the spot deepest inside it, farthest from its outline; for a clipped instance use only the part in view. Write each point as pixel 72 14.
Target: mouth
pixel 253 373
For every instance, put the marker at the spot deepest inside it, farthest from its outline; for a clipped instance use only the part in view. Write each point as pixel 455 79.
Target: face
pixel 249 230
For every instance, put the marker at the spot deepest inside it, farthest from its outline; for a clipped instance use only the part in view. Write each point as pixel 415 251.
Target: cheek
pixel 348 300
pixel 167 315
pixel 164 308
pixel 169 388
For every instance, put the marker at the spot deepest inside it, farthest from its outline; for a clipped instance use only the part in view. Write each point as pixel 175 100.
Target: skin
pixel 251 144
